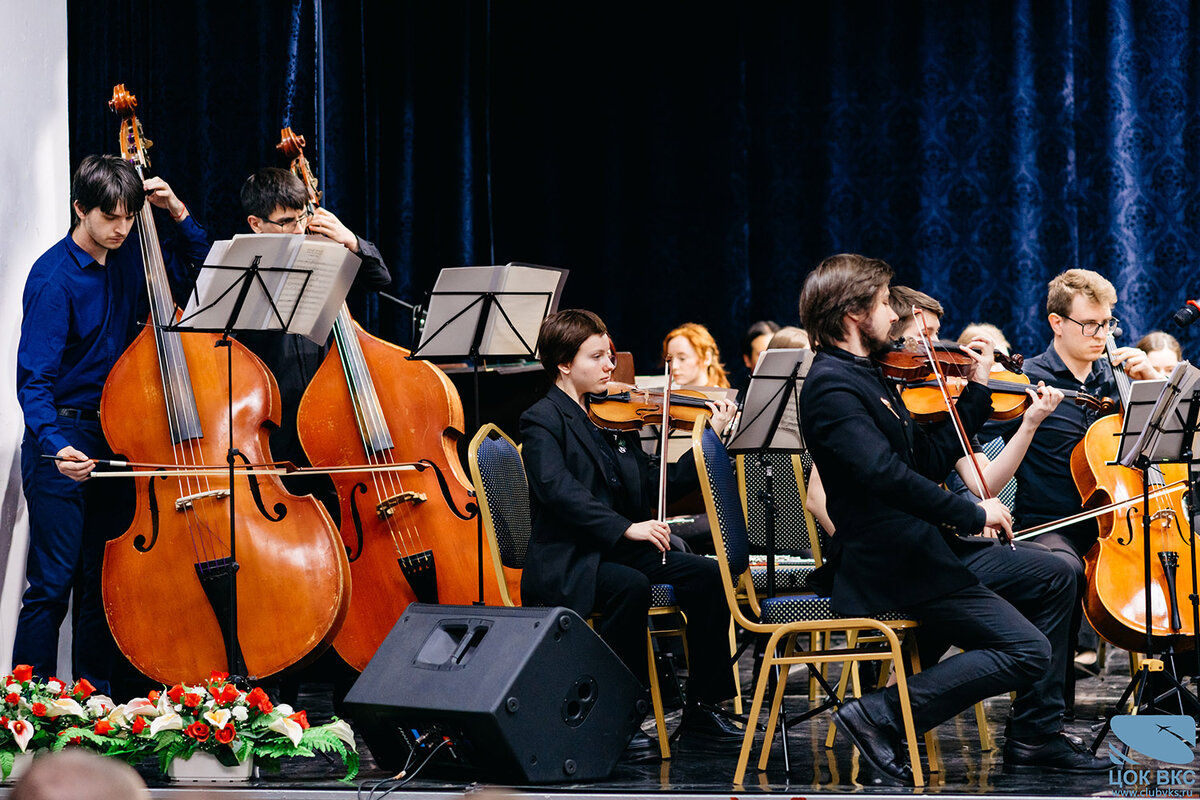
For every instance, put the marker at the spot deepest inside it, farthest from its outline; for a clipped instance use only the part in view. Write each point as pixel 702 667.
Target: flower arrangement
pixel 215 717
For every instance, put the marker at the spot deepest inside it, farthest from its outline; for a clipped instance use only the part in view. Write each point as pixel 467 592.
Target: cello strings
pixel 372 427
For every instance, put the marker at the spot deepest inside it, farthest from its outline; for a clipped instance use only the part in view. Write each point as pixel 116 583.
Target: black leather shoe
pixel 879 746
pixel 1061 753
pixel 641 750
pixel 706 725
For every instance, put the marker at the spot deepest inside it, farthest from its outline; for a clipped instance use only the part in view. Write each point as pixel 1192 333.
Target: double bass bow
pixel 404 535
pixel 178 603
pixel 1116 600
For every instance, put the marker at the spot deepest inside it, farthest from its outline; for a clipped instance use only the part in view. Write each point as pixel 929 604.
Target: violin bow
pixel 963 440
pixel 664 437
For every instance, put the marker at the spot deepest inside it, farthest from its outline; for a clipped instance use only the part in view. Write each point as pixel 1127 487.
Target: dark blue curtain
pixel 694 165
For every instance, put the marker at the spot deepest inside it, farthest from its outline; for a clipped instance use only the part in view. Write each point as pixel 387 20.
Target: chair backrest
pixel 794 525
pixel 722 501
pixel 503 493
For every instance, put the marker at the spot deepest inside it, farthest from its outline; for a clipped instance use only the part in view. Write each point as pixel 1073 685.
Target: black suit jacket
pixel 897 529
pixel 574 494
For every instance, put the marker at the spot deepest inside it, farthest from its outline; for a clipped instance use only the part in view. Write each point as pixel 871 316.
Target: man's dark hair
pixel 764 327
pixel 903 299
pixel 269 188
pixel 840 285
pixel 562 334
pixel 106 182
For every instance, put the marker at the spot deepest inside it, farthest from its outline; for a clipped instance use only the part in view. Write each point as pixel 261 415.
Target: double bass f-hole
pixel 256 492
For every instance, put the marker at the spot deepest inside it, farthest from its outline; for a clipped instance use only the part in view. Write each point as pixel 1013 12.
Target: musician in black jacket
pixel 900 546
pixel 595 544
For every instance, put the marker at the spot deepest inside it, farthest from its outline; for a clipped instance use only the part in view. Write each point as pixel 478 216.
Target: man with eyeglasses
pixel 275 201
pixel 1079 304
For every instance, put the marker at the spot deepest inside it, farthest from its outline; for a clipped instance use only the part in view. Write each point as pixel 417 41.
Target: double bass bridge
pixel 187 502
pixel 387 507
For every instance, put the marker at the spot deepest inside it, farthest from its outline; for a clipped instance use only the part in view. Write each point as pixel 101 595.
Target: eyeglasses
pixel 1094 328
pixel 288 222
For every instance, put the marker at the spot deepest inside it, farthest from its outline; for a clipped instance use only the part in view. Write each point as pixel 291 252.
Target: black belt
pixel 80 413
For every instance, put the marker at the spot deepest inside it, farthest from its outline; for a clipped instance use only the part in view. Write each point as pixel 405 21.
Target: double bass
pixel 1115 599
pixel 405 534
pixel 178 604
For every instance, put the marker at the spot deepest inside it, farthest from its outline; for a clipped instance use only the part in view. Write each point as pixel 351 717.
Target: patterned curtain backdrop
pixel 694 165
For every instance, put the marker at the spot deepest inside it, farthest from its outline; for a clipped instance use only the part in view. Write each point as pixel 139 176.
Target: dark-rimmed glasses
pixel 1094 328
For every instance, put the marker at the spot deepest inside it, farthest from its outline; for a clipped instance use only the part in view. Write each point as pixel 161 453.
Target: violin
pixel 1116 602
pixel 182 594
pixel 628 408
pixel 909 360
pixel 1010 397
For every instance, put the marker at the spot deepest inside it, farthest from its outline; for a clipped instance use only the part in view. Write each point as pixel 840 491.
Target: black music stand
pixel 246 303
pixel 1157 431
pixel 770 423
pixel 467 320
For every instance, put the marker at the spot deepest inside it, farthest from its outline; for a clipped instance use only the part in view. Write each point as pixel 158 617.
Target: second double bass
pixel 370 404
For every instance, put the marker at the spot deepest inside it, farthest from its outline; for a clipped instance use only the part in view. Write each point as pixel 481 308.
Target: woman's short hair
pixel 562 334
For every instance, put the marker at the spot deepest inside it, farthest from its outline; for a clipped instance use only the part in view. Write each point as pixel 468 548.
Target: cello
pixel 1115 598
pixel 178 603
pixel 405 539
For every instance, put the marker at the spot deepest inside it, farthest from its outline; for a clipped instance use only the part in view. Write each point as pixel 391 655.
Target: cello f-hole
pixel 353 554
pixel 139 542
pixel 279 508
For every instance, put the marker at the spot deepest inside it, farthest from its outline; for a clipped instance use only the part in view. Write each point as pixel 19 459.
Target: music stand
pixel 770 423
pixel 245 303
pixel 469 319
pixel 1157 431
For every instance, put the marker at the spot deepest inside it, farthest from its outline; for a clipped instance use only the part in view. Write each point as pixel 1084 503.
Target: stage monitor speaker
pixel 515 695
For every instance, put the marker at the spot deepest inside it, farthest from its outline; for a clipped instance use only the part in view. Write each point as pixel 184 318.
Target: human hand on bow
pixel 652 531
pixel 74 463
pixel 723 411
pixel 159 193
pixel 326 224
pixel 999 518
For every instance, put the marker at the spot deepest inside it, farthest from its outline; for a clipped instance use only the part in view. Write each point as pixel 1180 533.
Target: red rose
pixel 175 692
pixel 23 672
pixel 301 717
pixel 224 735
pixel 218 676
pixel 3 722
pixel 258 699
pixel 228 693
pixel 12 698
pixel 198 731
pixel 102 726
pixel 84 689
pixel 192 700
pixel 38 709
pixel 75 740
pixel 153 696
pixel 139 725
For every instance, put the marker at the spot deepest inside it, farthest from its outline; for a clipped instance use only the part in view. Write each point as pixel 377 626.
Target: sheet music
pixel 456 304
pixel 1154 421
pixel 306 277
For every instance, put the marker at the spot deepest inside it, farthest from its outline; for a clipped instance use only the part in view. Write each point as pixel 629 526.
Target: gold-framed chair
pixel 785 618
pixel 502 489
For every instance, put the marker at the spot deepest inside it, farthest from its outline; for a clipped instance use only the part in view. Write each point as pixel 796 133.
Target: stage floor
pixel 815 770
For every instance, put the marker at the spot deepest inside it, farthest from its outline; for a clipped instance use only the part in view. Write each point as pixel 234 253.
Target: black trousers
pixel 623 599
pixel 1013 628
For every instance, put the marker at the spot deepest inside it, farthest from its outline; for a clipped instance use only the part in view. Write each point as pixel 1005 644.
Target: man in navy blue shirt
pixel 83 302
